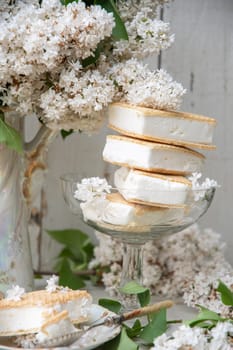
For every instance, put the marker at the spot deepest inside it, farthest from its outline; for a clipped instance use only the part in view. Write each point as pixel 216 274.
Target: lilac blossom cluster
pixel 43 48
pixel 90 188
pixel 183 265
pixel 186 338
pixel 203 290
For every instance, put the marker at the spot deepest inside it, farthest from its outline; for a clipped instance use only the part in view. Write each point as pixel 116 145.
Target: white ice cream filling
pixel 30 318
pixel 117 213
pixel 54 330
pixel 134 121
pixel 142 156
pixel 133 185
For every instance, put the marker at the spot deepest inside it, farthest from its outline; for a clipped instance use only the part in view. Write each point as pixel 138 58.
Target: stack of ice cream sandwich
pixel 154 150
pixel 155 154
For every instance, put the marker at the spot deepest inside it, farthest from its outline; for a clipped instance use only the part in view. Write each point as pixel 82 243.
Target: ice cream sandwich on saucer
pixel 28 313
pixel 172 127
pixel 151 156
pixel 151 188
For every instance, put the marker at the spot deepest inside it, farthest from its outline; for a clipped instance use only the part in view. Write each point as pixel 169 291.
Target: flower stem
pixel 174 321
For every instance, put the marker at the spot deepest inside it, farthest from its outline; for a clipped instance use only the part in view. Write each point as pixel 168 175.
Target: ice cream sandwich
pixel 151 156
pixel 171 127
pixel 115 210
pixel 30 312
pixel 151 188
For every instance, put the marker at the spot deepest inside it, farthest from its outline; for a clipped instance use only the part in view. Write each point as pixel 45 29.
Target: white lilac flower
pixel 158 91
pixel 25 341
pixel 196 338
pixel 146 36
pixel 194 179
pixel 137 85
pixel 42 48
pixel 221 336
pixel 209 183
pixel 192 338
pixel 200 188
pixel 128 9
pixel 111 253
pixel 203 289
pixel 112 278
pixel 78 97
pixel 92 187
pixel 206 184
pixel 52 284
pixel 171 266
pixel 42 37
pixel 15 293
pixel 37 43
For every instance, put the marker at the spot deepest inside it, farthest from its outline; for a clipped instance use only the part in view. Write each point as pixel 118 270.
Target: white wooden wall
pixel 202 60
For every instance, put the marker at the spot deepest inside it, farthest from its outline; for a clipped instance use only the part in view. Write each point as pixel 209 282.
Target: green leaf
pixel 226 294
pixel 119 31
pixel 75 240
pixel 144 297
pixel 206 324
pixel 135 330
pixel 156 327
pixel 133 287
pixel 110 304
pixel 125 342
pixel 79 267
pixel 66 253
pixel 208 314
pixel 121 342
pixel 203 316
pixel 66 2
pixel 65 133
pixel 88 249
pixel 10 137
pixel 67 278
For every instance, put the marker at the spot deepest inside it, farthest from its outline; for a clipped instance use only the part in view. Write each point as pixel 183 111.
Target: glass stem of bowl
pixel 131 271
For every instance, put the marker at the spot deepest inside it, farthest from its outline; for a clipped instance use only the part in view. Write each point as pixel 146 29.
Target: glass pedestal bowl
pixel 135 224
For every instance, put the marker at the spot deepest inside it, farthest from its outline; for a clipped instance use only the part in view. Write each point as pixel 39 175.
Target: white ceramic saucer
pixel 90 340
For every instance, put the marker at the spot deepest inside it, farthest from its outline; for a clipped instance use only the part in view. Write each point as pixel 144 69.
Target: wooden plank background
pixel 202 60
